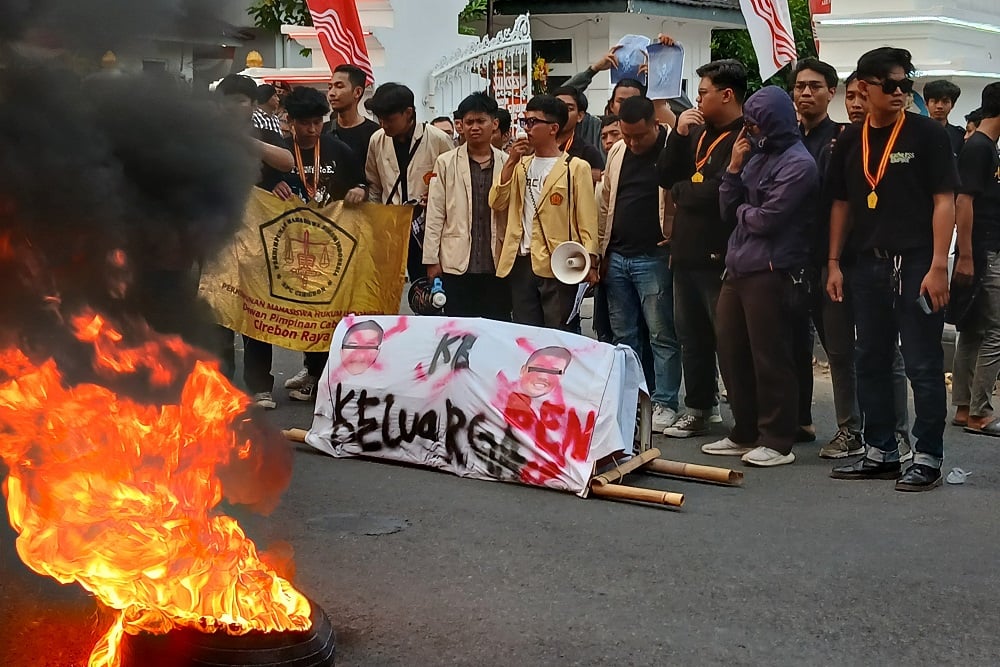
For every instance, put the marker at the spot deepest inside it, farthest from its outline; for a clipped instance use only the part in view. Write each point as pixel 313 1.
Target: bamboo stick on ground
pixel 622 492
pixel 295 434
pixel 693 471
pixel 620 471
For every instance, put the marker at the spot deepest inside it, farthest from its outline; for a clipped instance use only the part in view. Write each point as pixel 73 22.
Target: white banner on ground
pixel 477 398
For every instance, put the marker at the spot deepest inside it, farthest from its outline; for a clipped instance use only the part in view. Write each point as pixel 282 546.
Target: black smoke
pixel 113 188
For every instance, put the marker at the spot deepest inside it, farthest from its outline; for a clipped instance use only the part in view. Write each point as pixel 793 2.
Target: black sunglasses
pixel 889 86
pixel 530 122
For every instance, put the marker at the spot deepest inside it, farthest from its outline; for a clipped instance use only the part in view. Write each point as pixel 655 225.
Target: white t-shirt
pixel 537 173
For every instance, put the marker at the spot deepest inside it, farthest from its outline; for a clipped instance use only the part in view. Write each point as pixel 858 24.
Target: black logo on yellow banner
pixel 307 256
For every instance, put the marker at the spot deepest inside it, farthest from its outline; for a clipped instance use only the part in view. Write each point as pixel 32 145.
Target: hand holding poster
pixel 477 398
pixel 666 70
pixel 631 56
pixel 294 270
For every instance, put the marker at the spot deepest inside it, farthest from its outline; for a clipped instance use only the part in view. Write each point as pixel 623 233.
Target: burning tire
pixel 191 648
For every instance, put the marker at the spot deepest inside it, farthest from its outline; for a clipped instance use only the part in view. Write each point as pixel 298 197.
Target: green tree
pixel 474 12
pixel 736 44
pixel 270 15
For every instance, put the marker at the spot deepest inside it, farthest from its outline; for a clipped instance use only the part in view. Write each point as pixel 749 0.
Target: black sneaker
pixel 865 468
pixel 919 477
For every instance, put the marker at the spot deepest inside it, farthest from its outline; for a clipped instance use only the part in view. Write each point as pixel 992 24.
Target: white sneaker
pixel 264 400
pixel 663 417
pixel 725 447
pixel 765 457
pixel 715 416
pixel 299 379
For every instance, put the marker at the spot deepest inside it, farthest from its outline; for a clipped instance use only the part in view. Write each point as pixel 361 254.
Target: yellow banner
pixel 294 270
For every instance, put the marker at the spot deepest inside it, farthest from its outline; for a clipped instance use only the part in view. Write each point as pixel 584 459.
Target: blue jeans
pixel 885 309
pixel 642 287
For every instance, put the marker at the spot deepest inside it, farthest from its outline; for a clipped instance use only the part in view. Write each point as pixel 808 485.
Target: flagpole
pixel 489 18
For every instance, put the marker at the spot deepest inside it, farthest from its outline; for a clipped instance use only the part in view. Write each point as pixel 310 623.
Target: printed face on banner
pixel 543 371
pixel 478 398
pixel 360 347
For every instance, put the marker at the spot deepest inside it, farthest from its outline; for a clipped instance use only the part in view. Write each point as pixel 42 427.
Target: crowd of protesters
pixel 721 239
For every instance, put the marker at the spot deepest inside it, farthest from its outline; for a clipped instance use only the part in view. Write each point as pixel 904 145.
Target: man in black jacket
pixel 691 168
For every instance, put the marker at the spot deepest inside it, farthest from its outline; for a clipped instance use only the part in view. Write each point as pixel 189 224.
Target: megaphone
pixel 570 262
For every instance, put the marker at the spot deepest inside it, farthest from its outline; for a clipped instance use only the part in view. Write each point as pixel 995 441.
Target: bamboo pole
pixel 620 471
pixel 621 492
pixel 295 434
pixel 693 471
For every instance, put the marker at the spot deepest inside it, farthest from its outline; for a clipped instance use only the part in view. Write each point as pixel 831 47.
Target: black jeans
pixel 756 358
pixel 257 365
pixel 696 295
pixel 885 308
pixel 477 295
pixel 538 301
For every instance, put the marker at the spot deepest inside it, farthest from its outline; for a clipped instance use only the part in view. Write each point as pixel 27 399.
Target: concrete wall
pixel 967 55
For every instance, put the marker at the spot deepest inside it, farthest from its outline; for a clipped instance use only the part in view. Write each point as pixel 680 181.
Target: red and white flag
pixel 770 26
pixel 338 27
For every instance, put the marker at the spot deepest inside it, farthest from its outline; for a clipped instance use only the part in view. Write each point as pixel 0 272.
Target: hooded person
pixel 769 192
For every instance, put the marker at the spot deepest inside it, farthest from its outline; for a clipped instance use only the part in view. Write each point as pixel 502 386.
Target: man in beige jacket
pixel 549 199
pixel 462 239
pixel 401 158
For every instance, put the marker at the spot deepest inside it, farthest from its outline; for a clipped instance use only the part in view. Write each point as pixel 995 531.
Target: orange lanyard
pixel 873 181
pixel 700 164
pixel 310 190
pixel 569 143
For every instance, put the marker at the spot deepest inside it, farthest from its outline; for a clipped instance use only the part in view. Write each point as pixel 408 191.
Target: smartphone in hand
pixel 924 303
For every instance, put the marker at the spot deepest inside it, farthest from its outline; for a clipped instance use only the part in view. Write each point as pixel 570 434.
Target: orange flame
pixel 118 496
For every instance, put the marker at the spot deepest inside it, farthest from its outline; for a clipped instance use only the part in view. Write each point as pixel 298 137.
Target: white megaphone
pixel 570 262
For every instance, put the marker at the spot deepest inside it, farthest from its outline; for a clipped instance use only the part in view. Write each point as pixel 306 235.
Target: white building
pixel 958 41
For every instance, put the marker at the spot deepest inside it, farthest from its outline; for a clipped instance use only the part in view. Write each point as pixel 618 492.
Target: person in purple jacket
pixel 769 191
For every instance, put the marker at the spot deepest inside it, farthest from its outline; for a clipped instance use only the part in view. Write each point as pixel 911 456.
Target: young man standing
pixel 893 185
pixel 940 97
pixel 692 166
pixel 978 219
pixel 503 136
pixel 549 199
pixel 815 86
pixel 400 162
pixel 611 131
pixel 462 236
pixel 346 90
pixel 569 138
pixel 325 170
pixel 638 280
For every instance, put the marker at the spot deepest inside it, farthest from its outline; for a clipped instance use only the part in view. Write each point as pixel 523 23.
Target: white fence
pixel 500 65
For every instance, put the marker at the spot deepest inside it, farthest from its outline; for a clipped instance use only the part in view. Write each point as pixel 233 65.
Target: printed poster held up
pixel 477 398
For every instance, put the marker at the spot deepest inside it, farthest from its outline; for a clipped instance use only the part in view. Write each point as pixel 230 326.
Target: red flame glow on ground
pixel 120 496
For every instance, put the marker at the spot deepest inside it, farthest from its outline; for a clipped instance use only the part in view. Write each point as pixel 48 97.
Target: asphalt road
pixel 419 568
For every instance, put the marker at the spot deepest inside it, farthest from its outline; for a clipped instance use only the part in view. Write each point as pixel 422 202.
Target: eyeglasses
pixel 814 86
pixel 354 346
pixel 889 86
pixel 530 122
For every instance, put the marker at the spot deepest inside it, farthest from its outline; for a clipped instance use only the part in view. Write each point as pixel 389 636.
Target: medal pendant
pixel 872 200
pixel 697 177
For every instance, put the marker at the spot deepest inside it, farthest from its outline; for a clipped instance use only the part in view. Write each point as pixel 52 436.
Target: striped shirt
pixel 266 121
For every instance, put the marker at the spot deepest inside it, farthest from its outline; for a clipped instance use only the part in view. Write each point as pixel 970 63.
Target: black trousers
pixel 477 295
pixel 696 294
pixel 257 365
pixel 540 302
pixel 315 362
pixel 753 325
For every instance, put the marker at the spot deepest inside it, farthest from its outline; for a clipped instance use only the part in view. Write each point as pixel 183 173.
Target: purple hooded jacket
pixel 773 200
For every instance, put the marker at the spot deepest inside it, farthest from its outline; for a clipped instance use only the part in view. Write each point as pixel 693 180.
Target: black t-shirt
pixel 358 137
pixel 340 170
pixel 920 165
pixel 588 152
pixel 636 228
pixel 269 176
pixel 820 142
pixel 956 135
pixel 979 170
